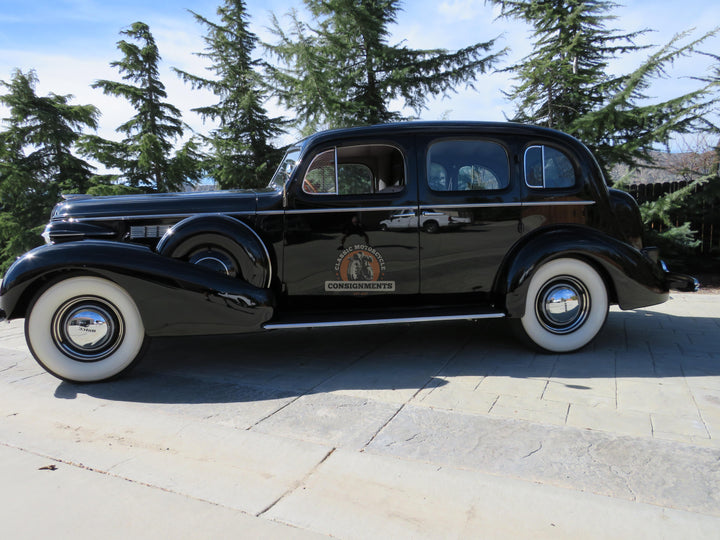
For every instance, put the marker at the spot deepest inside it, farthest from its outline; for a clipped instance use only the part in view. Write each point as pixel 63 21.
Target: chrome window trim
pixel 525 161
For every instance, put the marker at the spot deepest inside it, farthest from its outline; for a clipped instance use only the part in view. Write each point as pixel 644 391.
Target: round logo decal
pixel 360 269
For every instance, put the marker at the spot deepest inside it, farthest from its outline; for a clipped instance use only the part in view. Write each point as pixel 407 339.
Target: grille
pixel 148 231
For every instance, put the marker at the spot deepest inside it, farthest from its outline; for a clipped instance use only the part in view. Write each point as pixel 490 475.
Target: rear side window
pixel 546 167
pixel 467 165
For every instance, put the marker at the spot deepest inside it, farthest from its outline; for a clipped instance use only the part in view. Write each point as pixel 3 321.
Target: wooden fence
pixel 704 218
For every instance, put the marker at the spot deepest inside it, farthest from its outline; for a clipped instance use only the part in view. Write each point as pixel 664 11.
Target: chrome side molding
pixel 368 322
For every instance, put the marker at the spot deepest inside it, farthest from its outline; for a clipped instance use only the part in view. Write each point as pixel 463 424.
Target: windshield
pixel 287 166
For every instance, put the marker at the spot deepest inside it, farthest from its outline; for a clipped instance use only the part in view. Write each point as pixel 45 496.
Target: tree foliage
pixel 145 156
pixel 340 70
pixel 37 161
pixel 241 151
pixel 565 83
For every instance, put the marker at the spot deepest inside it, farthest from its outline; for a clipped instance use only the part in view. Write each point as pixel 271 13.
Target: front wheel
pixel 85 329
pixel 566 305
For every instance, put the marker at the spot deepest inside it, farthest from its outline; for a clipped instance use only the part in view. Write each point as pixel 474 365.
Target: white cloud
pixel 69 58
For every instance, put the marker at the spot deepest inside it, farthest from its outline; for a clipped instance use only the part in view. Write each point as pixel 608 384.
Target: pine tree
pixel 341 71
pixel 242 155
pixel 145 156
pixel 37 161
pixel 565 82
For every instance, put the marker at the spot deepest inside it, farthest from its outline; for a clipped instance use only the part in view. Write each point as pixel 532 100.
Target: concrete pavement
pixel 430 431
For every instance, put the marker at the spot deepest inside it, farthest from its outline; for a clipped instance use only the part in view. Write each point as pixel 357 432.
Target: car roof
pixel 434 127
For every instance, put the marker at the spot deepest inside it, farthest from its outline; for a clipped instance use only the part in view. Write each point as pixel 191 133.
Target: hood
pixel 159 204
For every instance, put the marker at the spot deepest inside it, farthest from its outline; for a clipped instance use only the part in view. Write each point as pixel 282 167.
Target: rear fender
pixel 633 280
pixel 174 297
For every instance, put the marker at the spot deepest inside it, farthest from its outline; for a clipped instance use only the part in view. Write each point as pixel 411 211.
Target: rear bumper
pixel 681 282
pixel 672 280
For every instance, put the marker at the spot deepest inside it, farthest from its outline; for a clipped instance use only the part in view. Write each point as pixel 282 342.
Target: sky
pixel 70 44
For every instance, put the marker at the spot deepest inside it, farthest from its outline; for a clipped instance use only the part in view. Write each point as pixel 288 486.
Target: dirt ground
pixel 709 283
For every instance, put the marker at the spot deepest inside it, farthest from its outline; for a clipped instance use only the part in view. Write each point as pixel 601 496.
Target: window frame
pixel 507 176
pixel 544 185
pixel 375 178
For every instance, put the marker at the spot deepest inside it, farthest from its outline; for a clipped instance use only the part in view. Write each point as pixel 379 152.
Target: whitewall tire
pixel 85 329
pixel 566 305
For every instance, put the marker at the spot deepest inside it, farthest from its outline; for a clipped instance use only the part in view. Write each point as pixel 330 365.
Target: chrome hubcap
pixel 563 305
pixel 87 328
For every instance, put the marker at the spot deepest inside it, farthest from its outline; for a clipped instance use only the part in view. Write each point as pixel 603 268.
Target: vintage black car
pixel 387 224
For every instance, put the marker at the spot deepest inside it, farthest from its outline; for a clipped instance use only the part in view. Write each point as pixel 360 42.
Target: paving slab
pixel 44 498
pixel 358 496
pixel 591 461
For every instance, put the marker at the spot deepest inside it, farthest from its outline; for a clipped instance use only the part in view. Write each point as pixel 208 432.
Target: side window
pixel 320 176
pixel 546 167
pixel 356 170
pixel 467 165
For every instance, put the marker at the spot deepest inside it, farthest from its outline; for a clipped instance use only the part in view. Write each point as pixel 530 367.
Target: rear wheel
pixel 566 305
pixel 85 329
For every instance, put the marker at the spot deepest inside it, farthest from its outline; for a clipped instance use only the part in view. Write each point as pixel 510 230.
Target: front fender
pixel 632 278
pixel 173 297
pixel 241 241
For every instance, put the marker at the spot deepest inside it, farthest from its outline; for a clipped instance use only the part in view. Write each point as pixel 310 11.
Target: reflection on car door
pixel 470 180
pixel 338 244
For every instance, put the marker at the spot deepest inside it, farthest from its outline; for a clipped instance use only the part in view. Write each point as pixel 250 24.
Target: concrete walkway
pixel 431 431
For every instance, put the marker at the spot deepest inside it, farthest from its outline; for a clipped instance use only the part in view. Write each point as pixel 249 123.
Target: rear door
pixel 472 182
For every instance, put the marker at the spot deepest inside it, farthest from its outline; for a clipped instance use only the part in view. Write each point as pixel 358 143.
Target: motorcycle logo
pixel 359 269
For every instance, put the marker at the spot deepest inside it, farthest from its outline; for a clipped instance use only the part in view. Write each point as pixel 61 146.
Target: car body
pixel 524 227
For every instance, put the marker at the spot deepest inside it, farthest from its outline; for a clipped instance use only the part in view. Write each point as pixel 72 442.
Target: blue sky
pixel 71 42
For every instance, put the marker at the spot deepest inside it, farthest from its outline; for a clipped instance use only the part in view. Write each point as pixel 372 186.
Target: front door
pixel 350 238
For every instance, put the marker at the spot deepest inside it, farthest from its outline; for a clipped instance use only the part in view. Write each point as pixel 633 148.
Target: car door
pixel 339 248
pixel 472 181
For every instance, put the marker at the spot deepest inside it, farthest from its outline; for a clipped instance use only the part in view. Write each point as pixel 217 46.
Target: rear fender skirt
pixel 239 239
pixel 633 280
pixel 174 297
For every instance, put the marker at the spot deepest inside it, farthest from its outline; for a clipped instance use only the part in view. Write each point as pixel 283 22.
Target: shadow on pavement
pixel 282 364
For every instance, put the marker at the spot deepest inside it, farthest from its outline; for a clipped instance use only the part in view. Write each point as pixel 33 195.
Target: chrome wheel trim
pixel 87 328
pixel 562 305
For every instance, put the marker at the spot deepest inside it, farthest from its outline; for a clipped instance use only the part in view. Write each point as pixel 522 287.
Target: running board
pixel 367 322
